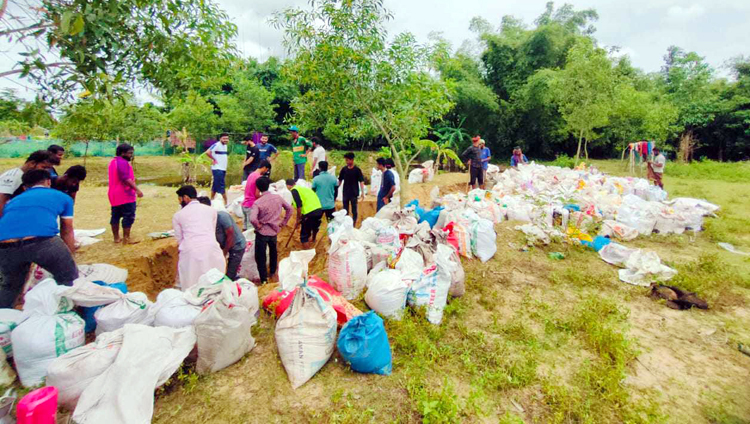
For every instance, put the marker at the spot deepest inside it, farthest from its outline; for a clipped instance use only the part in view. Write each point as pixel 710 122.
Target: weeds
pixel 712 279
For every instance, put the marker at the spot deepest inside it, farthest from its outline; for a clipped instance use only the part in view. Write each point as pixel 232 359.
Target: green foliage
pixel 195 114
pixel 170 45
pixel 359 83
pixel 711 279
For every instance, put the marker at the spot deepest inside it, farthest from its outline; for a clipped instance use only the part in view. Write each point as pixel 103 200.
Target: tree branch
pixel 3 8
pixel 46 65
pixel 38 25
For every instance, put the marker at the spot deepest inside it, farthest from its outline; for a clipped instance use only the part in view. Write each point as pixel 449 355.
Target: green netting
pixel 21 148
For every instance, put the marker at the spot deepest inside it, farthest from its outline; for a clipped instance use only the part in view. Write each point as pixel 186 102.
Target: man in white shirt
pixel 657 167
pixel 318 155
pixel 10 181
pixel 219 158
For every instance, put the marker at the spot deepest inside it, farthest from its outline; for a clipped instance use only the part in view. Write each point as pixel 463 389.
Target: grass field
pixel 533 339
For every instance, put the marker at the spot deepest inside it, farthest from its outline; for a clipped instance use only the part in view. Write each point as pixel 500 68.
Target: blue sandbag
pixel 572 207
pixel 363 343
pixel 424 215
pixel 598 243
pixel 88 313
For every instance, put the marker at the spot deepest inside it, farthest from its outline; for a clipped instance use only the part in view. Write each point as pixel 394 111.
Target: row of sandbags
pixel 98 380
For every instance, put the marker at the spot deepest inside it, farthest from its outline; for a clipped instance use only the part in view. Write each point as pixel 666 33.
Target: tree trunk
pixel 86 153
pixel 578 151
pixel 586 148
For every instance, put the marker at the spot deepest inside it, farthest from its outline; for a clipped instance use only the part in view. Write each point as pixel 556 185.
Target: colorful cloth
pixel 195 231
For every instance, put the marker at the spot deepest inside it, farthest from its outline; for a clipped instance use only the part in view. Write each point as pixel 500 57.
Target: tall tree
pixel 100 47
pixel 358 82
pixel 585 90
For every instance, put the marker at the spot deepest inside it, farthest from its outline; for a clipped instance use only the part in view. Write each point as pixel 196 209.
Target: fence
pixel 16 148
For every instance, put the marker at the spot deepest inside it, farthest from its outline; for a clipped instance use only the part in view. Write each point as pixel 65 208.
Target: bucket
pixel 38 407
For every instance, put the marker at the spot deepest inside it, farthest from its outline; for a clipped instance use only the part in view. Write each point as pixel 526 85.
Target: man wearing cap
pixel 473 155
pixel 518 157
pixel 486 156
pixel 300 148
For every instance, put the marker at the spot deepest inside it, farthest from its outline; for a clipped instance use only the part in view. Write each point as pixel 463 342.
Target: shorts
pixel 218 185
pixel 125 212
pixel 476 176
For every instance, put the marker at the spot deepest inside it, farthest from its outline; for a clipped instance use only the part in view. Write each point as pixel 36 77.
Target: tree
pixel 584 91
pixel 99 47
pixel 358 82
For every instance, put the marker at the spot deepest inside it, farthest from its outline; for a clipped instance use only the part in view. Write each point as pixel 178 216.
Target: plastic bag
pixel 293 269
pixel 223 328
pixel 363 344
pixel 305 335
pixel 611 228
pixel 410 263
pixel 387 212
pixel 416 176
pixel 131 308
pixel 73 372
pixel 616 254
pixel 49 328
pixel 645 267
pixel 388 236
pixel 347 267
pixel 376 178
pixel 387 291
pixel 340 225
pixel 483 239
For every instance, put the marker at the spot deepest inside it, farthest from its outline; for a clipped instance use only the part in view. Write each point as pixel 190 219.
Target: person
pixel 195 230
pixel 518 157
pixel 251 194
pixel 70 182
pixel 656 167
pixel 387 185
pixel 267 150
pixel 265 217
pixel 309 212
pixel 324 185
pixel 354 186
pixel 390 165
pixel 300 148
pixel 230 239
pixel 473 154
pixel 29 234
pixel 122 193
pixel 219 159
pixel 486 156
pixel 252 155
pixel 57 152
pixel 318 155
pixel 11 181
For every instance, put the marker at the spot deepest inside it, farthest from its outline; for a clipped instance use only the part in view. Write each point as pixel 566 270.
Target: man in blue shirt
pixel 324 185
pixel 28 234
pixel 485 158
pixel 387 186
pixel 518 157
pixel 267 150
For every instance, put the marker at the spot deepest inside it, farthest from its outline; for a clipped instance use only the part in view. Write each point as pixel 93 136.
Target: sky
pixel 642 29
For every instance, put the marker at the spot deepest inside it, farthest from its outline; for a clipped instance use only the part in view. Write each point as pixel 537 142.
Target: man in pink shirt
pixel 251 191
pixel 122 193
pixel 195 230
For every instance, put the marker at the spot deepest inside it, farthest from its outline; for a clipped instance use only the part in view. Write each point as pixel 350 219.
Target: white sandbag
pixel 386 292
pixel 347 267
pixel 235 206
pixel 410 264
pixel 431 289
pixel 416 176
pixel 248 267
pixel 223 328
pixel 293 269
pixel 131 308
pixel 9 319
pixel 464 240
pixel 49 328
pixel 305 335
pixel 87 294
pixel 208 286
pixel 73 372
pixel 340 225
pixel 375 224
pixel 428 170
pixel 458 276
pixel 172 310
pixel 616 254
pixel 483 239
pixel 387 212
pixel 406 222
pixel 645 267
pixel 388 236
pixel 611 228
pixel 218 204
pixel 124 393
pixel 105 273
pixel 376 179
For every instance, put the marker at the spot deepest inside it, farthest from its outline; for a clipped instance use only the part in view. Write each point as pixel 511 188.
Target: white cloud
pixel 681 14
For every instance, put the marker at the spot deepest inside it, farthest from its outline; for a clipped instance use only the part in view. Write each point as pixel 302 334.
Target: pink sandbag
pixel 279 300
